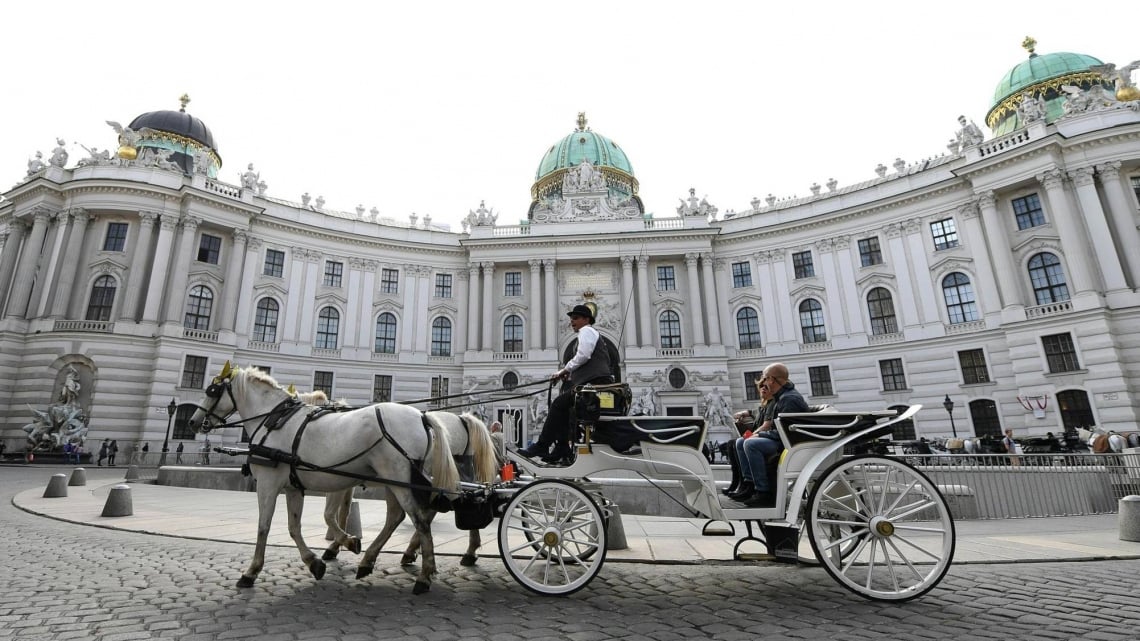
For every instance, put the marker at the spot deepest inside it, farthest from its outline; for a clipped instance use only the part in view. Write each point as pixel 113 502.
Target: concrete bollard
pixel 353 525
pixel 615 530
pixel 56 487
pixel 119 502
pixel 78 477
pixel 132 473
pixel 1129 518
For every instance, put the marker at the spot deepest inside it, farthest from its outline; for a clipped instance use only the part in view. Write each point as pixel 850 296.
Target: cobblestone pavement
pixel 67 581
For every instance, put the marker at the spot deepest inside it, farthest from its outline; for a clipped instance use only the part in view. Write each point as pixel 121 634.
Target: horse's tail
pixel 482 449
pixel 444 474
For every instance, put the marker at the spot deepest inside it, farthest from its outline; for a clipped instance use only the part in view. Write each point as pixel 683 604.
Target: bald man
pixel 765 440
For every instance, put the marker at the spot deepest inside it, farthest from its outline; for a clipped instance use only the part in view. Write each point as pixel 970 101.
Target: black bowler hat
pixel 583 311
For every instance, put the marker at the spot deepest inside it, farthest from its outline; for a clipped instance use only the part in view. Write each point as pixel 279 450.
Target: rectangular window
pixel 274 263
pixel 666 279
pixel 323 381
pixel 750 391
pixel 443 285
pixel 869 252
pixel 1028 211
pixel 512 284
pixel 265 368
pixel 801 261
pixel 973 363
pixel 1060 353
pixel 209 249
pixel 440 386
pixel 116 239
pixel 381 388
pixel 894 379
pixel 194 372
pixel 334 273
pixel 389 281
pixel 945 234
pixel 742 274
pixel 1136 187
pixel 820 379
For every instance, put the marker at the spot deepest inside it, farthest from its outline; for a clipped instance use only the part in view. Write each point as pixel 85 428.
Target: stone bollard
pixel 615 530
pixel 119 502
pixel 56 487
pixel 353 525
pixel 132 473
pixel 1129 518
pixel 78 477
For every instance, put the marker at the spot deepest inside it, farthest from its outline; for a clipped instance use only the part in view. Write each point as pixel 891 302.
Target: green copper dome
pixel 584 144
pixel 1043 76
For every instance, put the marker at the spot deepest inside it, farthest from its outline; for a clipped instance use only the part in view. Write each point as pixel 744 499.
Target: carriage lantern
pixel 949 405
pixel 170 410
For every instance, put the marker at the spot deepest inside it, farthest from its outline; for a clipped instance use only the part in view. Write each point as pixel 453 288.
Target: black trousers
pixel 557 430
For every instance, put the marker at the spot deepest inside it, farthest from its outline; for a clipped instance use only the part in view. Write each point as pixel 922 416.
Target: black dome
pixel 176 122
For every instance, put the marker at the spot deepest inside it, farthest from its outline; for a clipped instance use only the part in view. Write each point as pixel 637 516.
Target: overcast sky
pixel 431 107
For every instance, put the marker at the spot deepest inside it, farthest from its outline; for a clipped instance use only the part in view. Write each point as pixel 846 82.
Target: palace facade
pixel 1001 276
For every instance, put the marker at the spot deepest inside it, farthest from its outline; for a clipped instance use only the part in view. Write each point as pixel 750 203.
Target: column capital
pixel 535 264
pixel 969 210
pixel 473 269
pixel 147 218
pixel 642 261
pixel 1109 170
pixel 1051 178
pixel 190 223
pixel 42 214
pixel 548 264
pixel 691 259
pixel 842 242
pixel 169 222
pixel 240 237
pixel 762 257
pixel 987 199
pixel 893 230
pixel 1082 176
pixel 488 265
pixel 825 245
pixel 627 262
pixel 253 243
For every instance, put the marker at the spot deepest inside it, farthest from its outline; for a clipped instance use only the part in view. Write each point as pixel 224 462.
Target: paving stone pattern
pixel 67 581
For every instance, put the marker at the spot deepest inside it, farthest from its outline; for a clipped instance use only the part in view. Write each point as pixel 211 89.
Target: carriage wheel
pixel 881 528
pixel 552 537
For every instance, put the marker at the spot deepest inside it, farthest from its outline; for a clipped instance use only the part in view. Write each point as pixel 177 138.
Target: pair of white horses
pixel 407 451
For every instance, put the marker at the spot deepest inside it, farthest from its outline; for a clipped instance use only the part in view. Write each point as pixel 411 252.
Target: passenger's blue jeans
pixel 751 453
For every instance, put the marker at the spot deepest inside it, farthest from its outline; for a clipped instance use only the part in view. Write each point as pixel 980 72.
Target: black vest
pixel 605 360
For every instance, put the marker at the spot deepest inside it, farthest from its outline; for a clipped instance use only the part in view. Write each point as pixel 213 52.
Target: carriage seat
pixel 828 424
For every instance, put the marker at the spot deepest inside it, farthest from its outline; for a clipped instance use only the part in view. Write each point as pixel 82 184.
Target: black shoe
pixel 744 491
pixel 730 490
pixel 557 456
pixel 761 499
pixel 534 451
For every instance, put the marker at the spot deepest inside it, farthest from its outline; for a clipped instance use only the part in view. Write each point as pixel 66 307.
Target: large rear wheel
pixel 552 537
pixel 881 528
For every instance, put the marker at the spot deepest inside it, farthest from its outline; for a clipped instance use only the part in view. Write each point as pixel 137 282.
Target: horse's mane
pixel 254 374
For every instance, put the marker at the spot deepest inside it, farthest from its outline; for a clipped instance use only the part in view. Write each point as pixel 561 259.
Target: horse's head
pixel 219 403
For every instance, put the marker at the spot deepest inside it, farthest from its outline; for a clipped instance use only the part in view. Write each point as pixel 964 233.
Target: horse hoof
pixel 317 569
pixel 420 587
pixel 363 571
pixel 468 560
pixel 245 581
pixel 354 545
pixel 408 559
pixel 329 555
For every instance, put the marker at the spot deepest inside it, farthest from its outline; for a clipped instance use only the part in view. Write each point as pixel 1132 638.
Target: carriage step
pixel 713 527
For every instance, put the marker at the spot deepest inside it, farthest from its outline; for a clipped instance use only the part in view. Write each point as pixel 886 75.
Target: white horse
pixel 292 450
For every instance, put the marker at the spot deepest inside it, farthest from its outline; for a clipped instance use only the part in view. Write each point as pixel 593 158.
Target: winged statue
pixel 129 137
pixel 1121 78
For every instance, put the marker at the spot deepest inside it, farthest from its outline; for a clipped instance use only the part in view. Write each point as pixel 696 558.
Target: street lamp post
pixel 170 410
pixel 949 405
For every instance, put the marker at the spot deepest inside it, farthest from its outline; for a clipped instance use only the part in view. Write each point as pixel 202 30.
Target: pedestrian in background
pixel 104 451
pixel 112 450
pixel 178 453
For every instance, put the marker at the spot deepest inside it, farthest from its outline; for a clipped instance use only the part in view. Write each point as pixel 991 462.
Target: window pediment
pixel 808 290
pixel 331 298
pixel 270 289
pixel 876 279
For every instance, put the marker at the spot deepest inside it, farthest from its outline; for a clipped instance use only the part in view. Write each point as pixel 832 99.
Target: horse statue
pixel 297 447
pixel 474 454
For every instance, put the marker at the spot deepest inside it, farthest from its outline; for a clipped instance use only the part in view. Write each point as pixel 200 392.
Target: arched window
pixel 669 324
pixel 265 321
pixel 199 308
pixel 748 328
pixel 510 380
pixel 328 328
pixel 512 334
pixel 441 337
pixel 984 416
pixel 102 299
pixel 959 296
pixel 811 321
pixel 881 308
pixel 1048 279
pixel 385 334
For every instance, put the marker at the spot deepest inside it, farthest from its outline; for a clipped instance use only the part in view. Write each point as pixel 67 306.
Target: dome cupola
pixel 188 137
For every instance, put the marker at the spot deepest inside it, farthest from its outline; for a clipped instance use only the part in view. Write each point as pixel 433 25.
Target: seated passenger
pixel 745 425
pixel 753 452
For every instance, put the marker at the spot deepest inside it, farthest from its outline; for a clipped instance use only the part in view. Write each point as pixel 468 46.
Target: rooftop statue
pixel 1121 78
pixel 1031 108
pixel 59 154
pixel 36 165
pixel 250 178
pixel 96 157
pixel 969 134
pixel 128 139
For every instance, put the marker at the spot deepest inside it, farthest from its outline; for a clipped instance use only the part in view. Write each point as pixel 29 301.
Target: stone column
pixel 354 317
pixel 781 304
pixel 929 292
pixel 461 286
pixel 1077 258
pixel 726 322
pixel 711 309
pixel 694 309
pixel 307 332
pixel 423 302
pixel 550 315
pixel 533 334
pixel 9 250
pixel 644 308
pixel 975 240
pixel 1110 265
pixel 245 312
pixel 1123 216
pixel 136 277
pixel 845 257
pixel 630 329
pixel 367 335
pixel 896 250
pixel 231 287
pixel 180 275
pixel 769 312
pixel 473 307
pixel 997 240
pixel 417 340
pixel 294 300
pixel 159 270
pixel 69 271
pixel 488 304
pixel 833 303
pixel 26 272
pixel 49 267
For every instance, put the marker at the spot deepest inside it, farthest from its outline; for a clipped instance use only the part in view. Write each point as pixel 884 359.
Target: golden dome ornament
pixel 1128 93
pixel 127 152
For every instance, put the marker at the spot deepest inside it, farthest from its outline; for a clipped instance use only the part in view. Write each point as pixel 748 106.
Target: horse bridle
pixel 217 387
